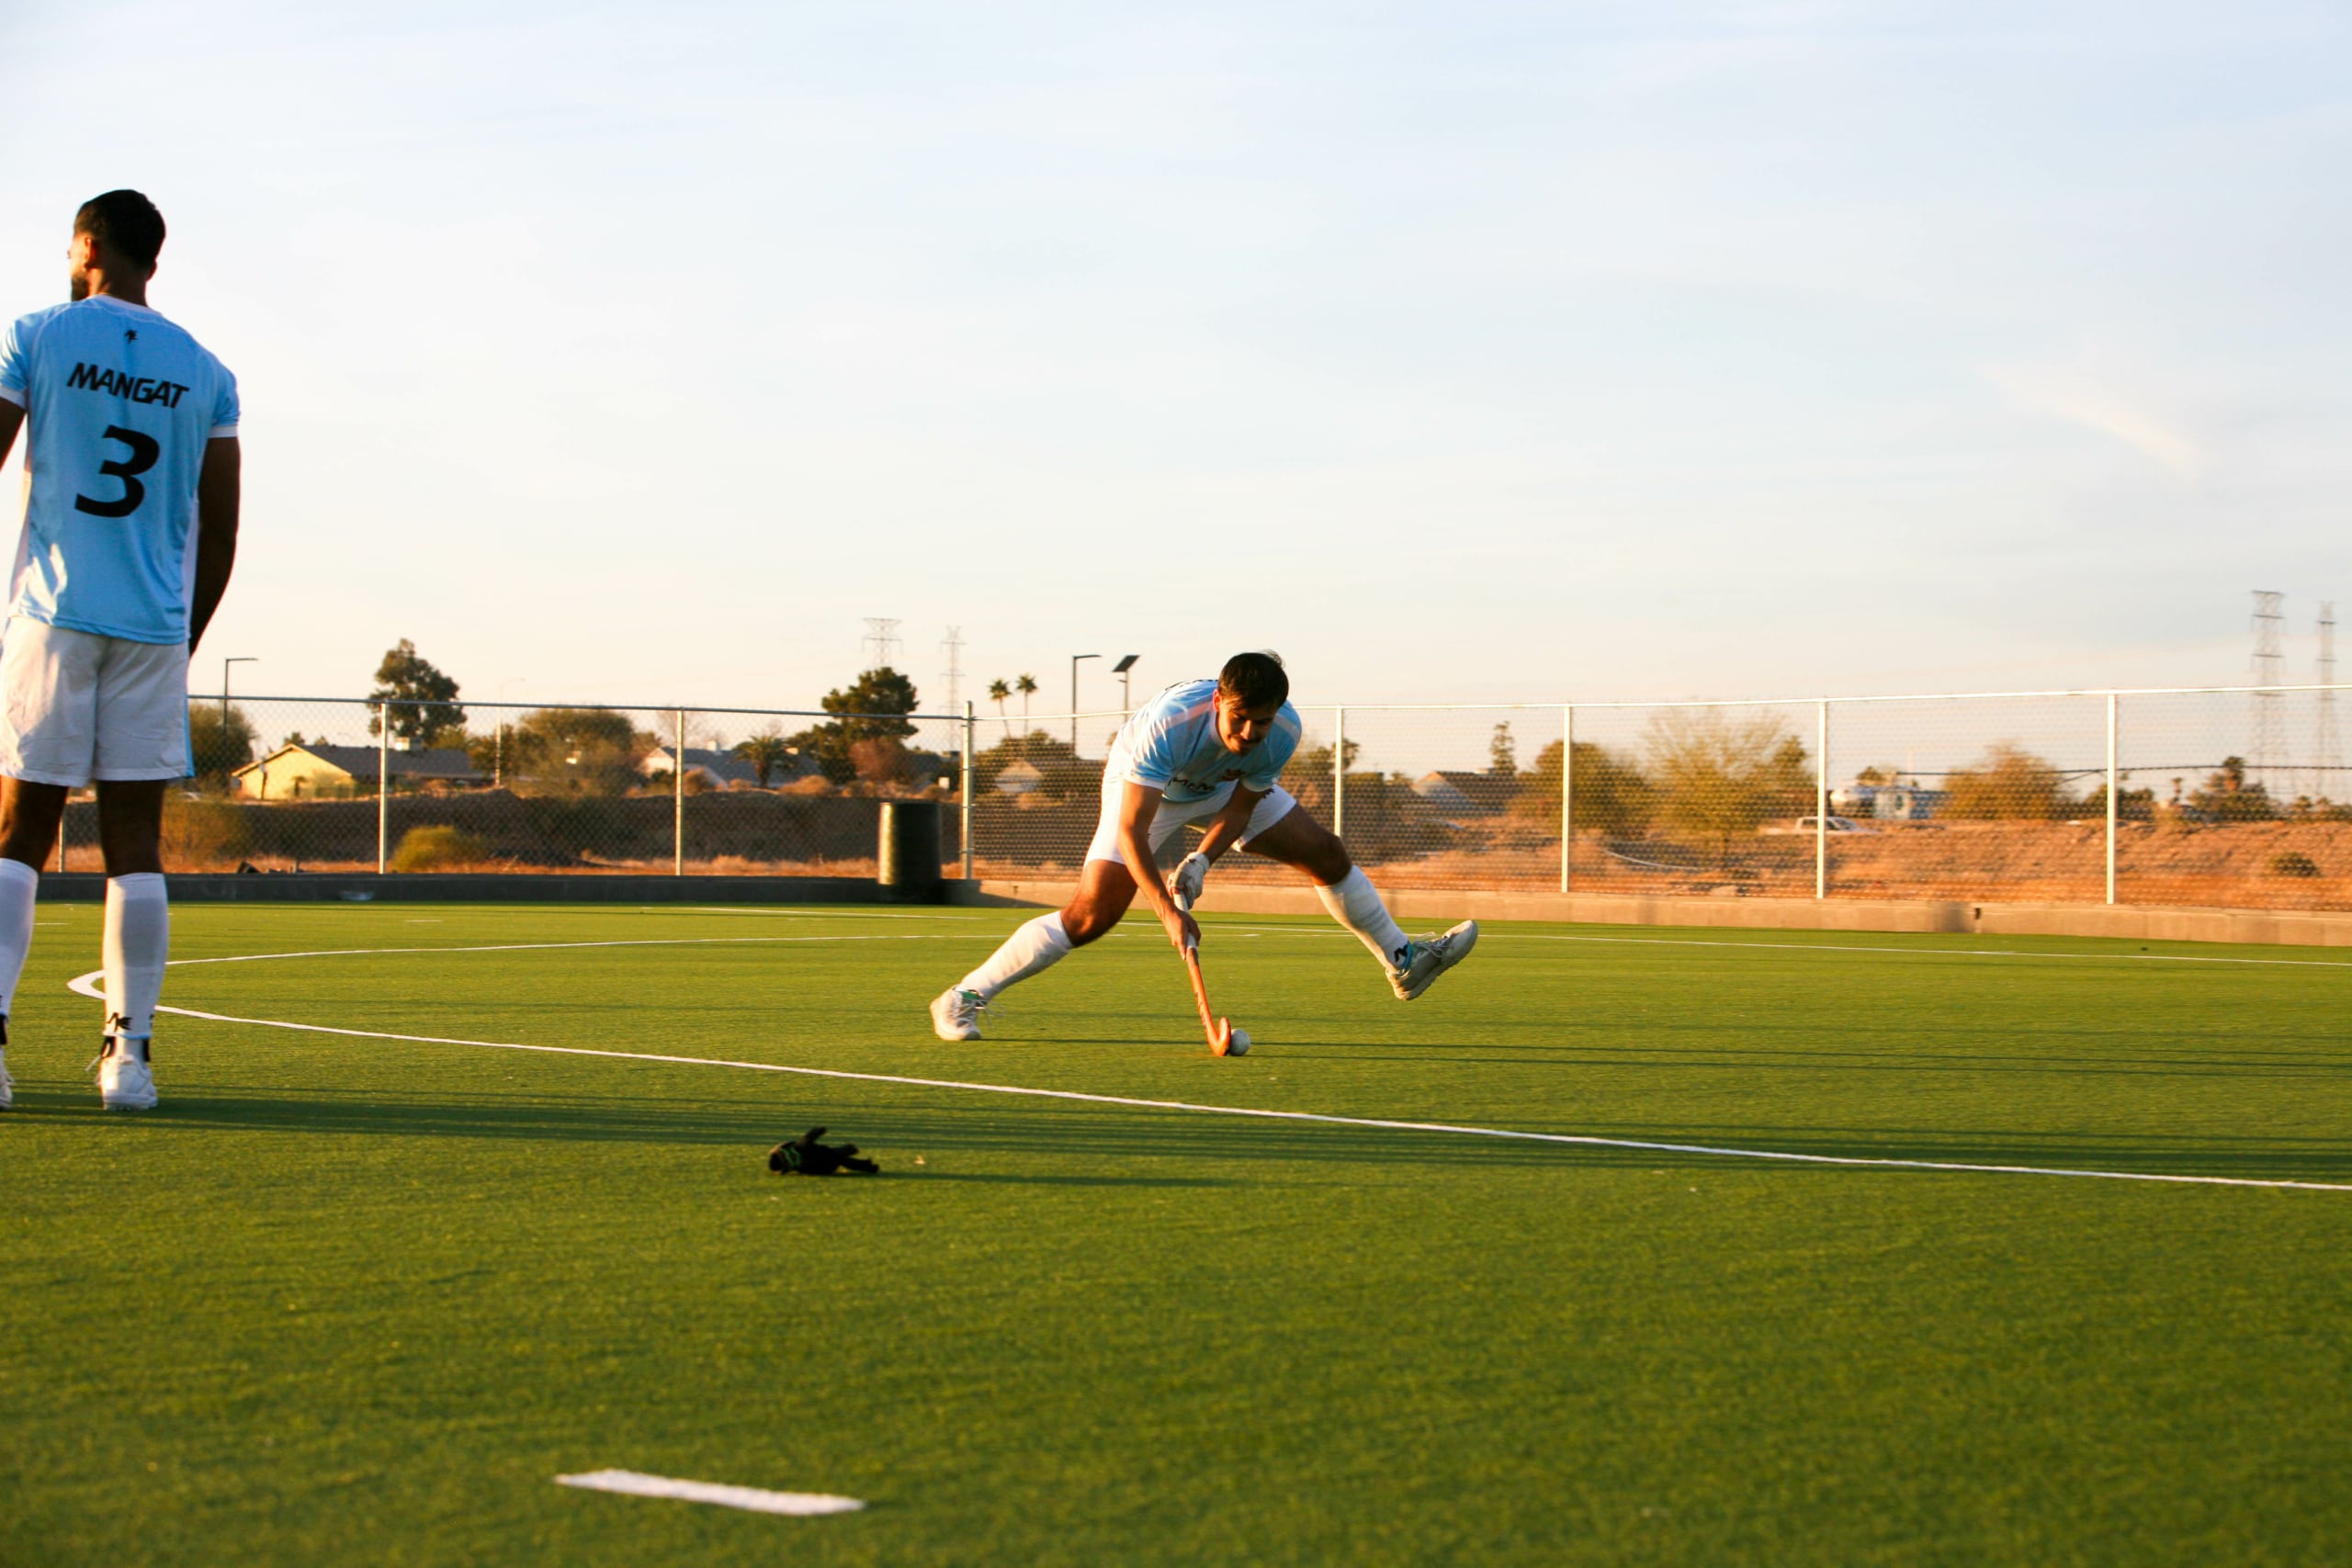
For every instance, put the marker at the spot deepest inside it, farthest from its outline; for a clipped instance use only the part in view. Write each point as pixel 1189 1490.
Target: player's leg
pixel 138 940
pixel 1105 891
pixel 143 745
pixel 29 814
pixel 48 700
pixel 1105 888
pixel 1296 840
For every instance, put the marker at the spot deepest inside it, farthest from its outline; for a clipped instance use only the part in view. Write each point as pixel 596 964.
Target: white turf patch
pixel 757 1499
pixel 90 985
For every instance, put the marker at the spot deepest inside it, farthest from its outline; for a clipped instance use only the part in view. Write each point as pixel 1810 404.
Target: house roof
pixel 1461 791
pixel 725 767
pixel 361 761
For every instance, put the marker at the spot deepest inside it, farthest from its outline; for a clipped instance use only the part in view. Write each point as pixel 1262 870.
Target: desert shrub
pixel 2294 863
pixel 1719 777
pixel 880 759
pixel 2009 785
pixel 201 833
pixel 2228 797
pixel 1610 792
pixel 437 848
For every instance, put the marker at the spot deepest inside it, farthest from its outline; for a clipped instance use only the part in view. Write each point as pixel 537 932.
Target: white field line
pixel 89 985
pixel 759 1500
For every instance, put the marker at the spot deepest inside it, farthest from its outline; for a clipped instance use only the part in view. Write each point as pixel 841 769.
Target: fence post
pixel 1567 793
pixel 2110 798
pixel 1821 804
pixel 383 787
pixel 678 800
pixel 1340 772
pixel 967 833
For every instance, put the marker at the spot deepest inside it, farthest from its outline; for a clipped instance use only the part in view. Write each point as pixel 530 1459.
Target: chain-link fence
pixel 2218 797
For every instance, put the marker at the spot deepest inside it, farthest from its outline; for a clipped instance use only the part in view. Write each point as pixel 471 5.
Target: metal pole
pixel 383 787
pixel 2111 802
pixel 1340 772
pixel 967 791
pixel 1073 698
pixel 1567 794
pixel 678 800
pixel 1821 804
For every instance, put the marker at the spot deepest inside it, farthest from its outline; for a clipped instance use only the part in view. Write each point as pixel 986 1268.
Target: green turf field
pixel 357 1300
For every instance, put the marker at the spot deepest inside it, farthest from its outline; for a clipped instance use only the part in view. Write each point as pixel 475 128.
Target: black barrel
pixel 909 851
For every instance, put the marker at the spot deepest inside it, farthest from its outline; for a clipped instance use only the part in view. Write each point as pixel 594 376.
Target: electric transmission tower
pixel 881 642
pixel 2267 745
pixel 2330 758
pixel 951 645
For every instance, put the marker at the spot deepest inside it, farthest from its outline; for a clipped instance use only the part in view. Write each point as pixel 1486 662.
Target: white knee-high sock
pixel 138 940
pixel 19 883
pixel 1356 904
pixel 1037 945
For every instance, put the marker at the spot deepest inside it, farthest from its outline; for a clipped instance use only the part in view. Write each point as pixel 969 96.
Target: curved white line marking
pixel 758 1499
pixel 88 986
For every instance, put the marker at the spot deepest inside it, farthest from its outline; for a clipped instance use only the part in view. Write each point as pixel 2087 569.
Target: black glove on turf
pixel 809 1157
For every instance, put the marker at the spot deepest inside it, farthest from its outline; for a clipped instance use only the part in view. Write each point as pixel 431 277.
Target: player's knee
pixel 1326 858
pixel 1083 921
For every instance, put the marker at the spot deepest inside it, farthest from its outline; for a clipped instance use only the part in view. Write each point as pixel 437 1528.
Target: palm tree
pixel 999 694
pixel 765 751
pixel 1027 686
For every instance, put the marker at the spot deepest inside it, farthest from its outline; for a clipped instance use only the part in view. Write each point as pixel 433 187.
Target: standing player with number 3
pixel 1206 753
pixel 129 532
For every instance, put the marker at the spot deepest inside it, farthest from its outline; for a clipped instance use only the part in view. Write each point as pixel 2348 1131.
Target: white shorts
pixel 76 707
pixel 1173 815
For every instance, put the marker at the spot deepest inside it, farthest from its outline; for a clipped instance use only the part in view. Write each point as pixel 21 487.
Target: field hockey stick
pixel 1219 1030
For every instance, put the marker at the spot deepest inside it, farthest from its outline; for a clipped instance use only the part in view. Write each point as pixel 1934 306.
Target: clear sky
pixel 1486 350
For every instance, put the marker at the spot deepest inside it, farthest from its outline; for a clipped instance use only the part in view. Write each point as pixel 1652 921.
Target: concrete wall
pixel 1416 907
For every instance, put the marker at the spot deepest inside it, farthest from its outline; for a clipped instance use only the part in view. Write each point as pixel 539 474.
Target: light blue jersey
pixel 1171 742
pixel 118 404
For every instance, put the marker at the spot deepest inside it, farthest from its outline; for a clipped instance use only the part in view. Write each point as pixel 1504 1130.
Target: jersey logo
pixel 139 389
pixel 130 334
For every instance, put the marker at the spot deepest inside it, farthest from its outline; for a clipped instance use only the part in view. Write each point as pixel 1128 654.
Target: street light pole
pixel 1122 669
pixel 1073 698
pixel 241 659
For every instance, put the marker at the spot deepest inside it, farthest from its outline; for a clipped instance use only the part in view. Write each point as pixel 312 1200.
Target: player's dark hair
pixel 125 224
pixel 1257 679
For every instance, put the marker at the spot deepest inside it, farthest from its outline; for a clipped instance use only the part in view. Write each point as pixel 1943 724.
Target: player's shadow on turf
pixel 1371 1154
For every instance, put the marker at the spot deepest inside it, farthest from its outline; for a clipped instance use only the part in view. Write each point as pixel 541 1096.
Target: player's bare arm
pixel 219 489
pixel 1139 803
pixel 12 419
pixel 1231 824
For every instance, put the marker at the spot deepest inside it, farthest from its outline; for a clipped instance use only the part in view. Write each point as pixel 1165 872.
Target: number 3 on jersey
pixel 144 450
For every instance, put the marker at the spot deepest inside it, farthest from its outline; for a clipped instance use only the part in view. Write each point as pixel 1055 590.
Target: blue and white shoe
pixel 1427 957
pixel 956 1014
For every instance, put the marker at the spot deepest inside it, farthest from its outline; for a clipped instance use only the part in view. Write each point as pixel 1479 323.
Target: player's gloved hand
pixel 1184 884
pixel 809 1157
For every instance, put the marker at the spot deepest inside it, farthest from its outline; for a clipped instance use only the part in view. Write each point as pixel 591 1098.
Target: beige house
pixel 307 771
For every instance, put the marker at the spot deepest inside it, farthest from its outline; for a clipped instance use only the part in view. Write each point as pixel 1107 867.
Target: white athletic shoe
pixel 956 1014
pixel 126 1082
pixel 1427 957
pixel 7 1084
